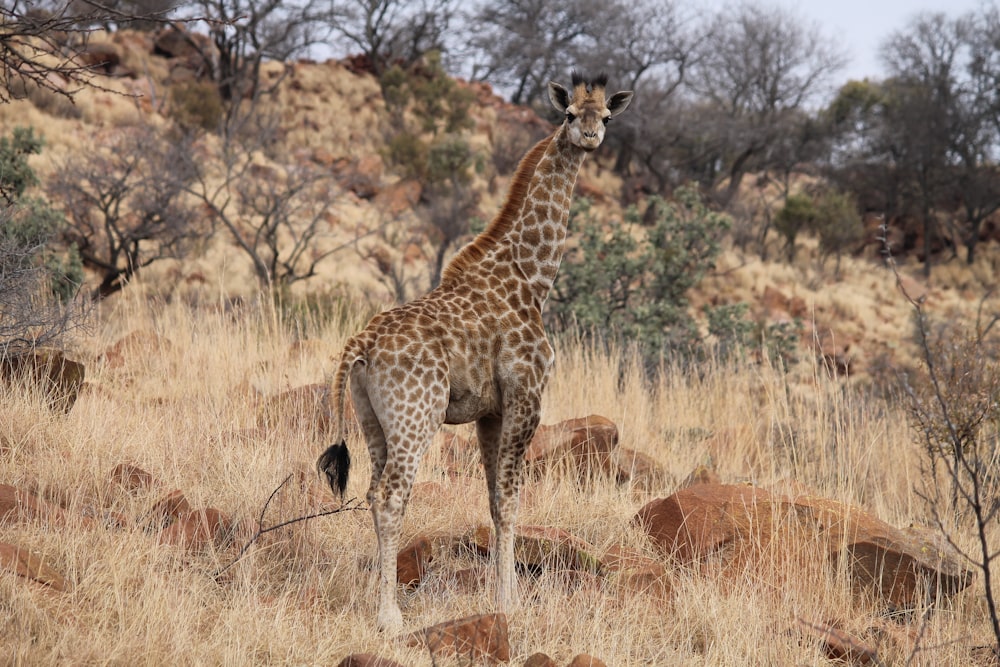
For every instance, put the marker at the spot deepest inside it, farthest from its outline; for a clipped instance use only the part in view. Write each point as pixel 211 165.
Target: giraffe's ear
pixel 619 102
pixel 559 96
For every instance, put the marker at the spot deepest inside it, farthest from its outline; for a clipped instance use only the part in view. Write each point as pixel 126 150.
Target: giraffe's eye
pixel 570 117
pixel 606 120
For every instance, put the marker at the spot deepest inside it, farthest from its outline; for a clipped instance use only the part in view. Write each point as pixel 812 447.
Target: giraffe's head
pixel 587 109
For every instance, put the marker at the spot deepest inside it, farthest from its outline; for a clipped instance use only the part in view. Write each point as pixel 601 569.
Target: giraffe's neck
pixel 537 235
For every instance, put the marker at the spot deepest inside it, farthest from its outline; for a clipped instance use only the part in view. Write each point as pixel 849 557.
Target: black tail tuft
pixel 335 465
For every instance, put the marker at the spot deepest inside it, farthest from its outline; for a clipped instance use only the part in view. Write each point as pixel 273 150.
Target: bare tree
pixel 389 32
pixel 525 43
pixel 126 206
pixel 245 34
pixel 924 65
pixel 758 69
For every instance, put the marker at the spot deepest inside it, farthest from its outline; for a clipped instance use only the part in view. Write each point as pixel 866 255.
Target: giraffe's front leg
pixel 520 419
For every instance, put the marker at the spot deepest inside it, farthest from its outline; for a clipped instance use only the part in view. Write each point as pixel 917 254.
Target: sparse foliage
pixel 618 283
pixel 126 206
pixel 38 279
pixel 798 214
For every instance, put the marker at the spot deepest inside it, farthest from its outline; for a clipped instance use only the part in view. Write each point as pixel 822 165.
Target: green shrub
pixel 196 105
pixel 838 224
pixel 796 215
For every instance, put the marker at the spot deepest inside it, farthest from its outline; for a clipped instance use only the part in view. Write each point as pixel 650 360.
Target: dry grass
pixel 187 411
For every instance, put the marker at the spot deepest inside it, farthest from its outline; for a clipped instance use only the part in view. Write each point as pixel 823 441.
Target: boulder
pixel 540 660
pixel 476 639
pixel 840 645
pixel 743 524
pixel 131 478
pixel 636 573
pixel 20 506
pixel 367 660
pixel 642 470
pixel 588 445
pixel 58 378
pixel 542 548
pixel 27 564
pixel 584 660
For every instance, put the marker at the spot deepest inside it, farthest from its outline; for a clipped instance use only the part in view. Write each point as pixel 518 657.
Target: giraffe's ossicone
pixel 471 350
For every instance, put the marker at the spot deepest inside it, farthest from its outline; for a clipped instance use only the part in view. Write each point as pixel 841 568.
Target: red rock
pixel 840 645
pixel 636 572
pixel 588 443
pixel 131 477
pixel 173 505
pixel 641 470
pixel 30 565
pixel 58 378
pixel 412 562
pixel 481 638
pixel 539 548
pixel 367 660
pixel 128 347
pixel 584 660
pixel 18 506
pixel 540 660
pixel 747 521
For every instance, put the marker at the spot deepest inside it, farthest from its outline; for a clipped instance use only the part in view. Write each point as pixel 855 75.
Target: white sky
pixel 860 26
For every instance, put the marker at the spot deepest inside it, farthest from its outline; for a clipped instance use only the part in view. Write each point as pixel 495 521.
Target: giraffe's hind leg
pixel 372 428
pixel 408 428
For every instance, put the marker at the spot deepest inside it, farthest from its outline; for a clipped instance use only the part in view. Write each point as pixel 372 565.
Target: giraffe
pixel 471 350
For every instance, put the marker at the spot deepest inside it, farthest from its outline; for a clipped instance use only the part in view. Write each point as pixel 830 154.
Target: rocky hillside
pixel 332 116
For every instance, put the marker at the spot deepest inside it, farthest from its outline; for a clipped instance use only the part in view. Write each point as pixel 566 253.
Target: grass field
pixel 186 403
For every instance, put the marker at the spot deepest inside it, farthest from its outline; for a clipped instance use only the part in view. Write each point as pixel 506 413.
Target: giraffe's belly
pixel 466 406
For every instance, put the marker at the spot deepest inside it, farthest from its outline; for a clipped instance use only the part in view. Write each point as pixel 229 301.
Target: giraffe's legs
pixel 488 435
pixel 372 429
pixel 404 434
pixel 504 445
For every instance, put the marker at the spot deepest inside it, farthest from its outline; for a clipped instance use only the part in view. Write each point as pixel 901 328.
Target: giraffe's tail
pixel 334 464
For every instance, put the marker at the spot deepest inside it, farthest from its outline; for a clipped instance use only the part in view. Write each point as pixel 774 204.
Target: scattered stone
pixel 584 660
pixel 19 506
pixel 636 572
pixel 840 645
pixel 541 548
pixel 743 522
pixel 475 638
pixel 30 565
pixel 589 444
pixel 367 660
pixel 172 506
pixel 641 470
pixel 412 562
pixel 58 378
pixel 131 478
pixel 540 660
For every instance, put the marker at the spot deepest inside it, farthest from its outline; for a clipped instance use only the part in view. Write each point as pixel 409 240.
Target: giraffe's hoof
pixel 390 620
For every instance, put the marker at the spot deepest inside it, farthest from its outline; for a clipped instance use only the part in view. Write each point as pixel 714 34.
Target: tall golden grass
pixel 186 405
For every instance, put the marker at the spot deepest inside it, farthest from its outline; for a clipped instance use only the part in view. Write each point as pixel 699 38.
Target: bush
pixel 795 216
pixel 838 224
pixel 196 105
pixel 37 278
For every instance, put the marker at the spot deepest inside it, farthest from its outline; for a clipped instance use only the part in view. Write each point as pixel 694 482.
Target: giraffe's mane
pixel 472 253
